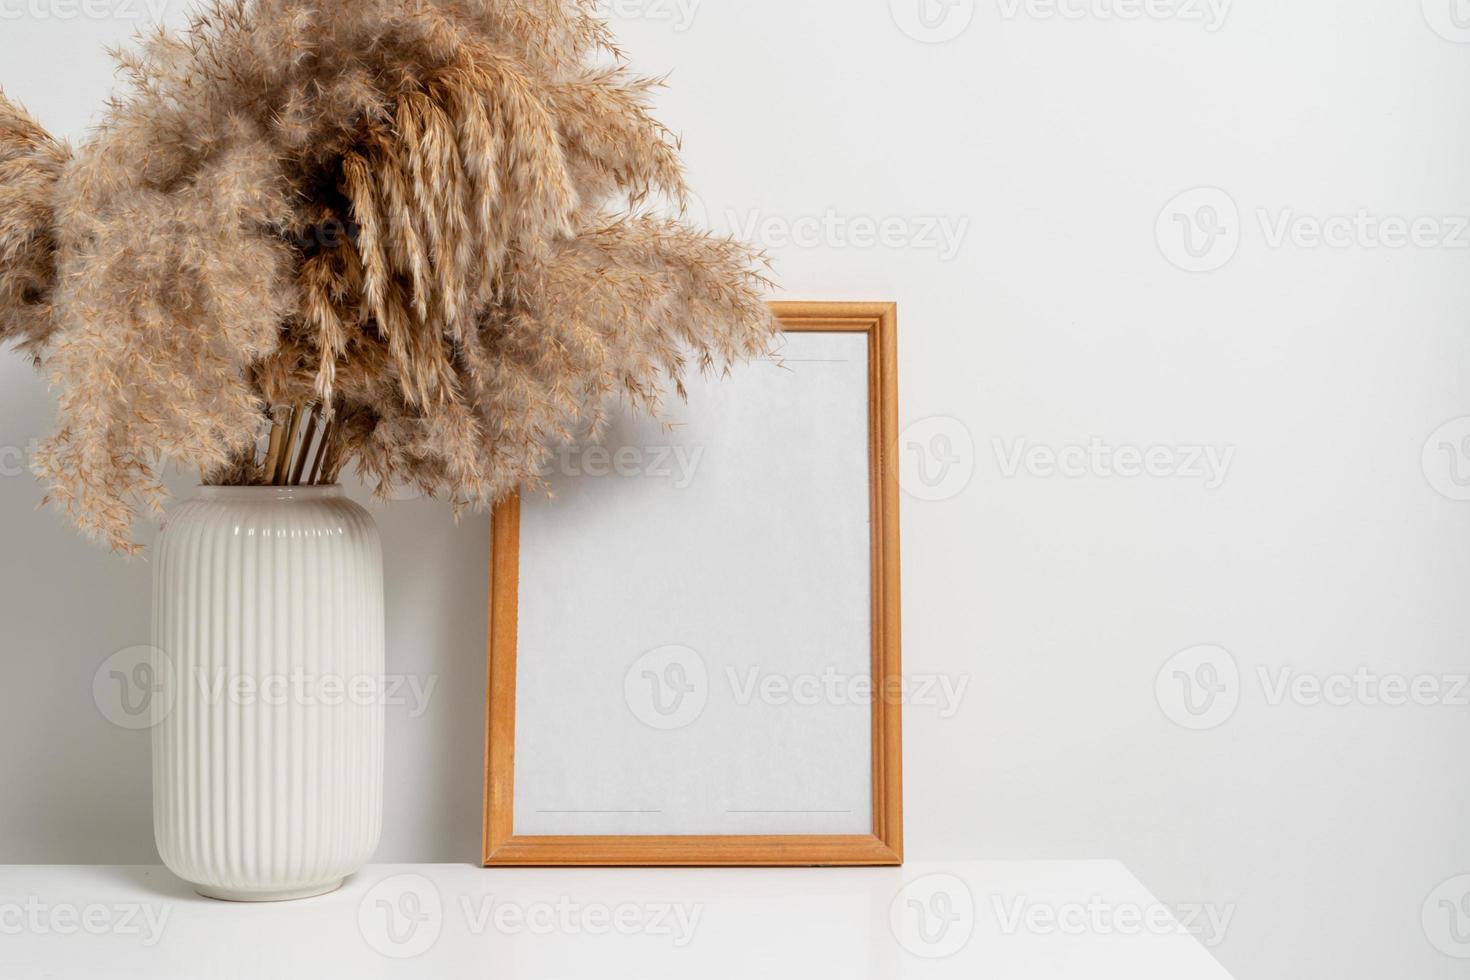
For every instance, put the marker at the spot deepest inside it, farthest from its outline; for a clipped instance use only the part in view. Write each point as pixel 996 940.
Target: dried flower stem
pixel 273 452
pixel 283 468
pixel 303 451
pixel 328 431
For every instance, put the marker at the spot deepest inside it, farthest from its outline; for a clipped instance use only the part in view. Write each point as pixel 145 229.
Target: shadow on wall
pixel 438 580
pixel 78 776
pixel 78 787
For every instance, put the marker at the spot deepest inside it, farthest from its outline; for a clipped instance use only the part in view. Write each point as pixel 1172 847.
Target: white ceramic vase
pixel 268 749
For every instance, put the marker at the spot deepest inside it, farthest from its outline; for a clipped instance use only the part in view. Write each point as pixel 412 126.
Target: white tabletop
pixel 1020 920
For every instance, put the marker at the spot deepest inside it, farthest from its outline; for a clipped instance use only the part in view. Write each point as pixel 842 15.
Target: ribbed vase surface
pixel 268 751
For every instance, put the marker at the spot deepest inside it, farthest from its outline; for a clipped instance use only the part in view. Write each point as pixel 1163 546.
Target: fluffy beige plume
pixel 399 228
pixel 30 164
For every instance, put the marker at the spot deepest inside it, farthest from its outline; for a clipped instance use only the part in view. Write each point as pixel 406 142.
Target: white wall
pixel 1055 142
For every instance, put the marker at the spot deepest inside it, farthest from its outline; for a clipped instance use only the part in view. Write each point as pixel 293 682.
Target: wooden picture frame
pixel 884 845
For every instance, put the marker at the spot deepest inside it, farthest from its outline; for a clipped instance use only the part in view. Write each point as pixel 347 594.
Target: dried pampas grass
pixel 407 235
